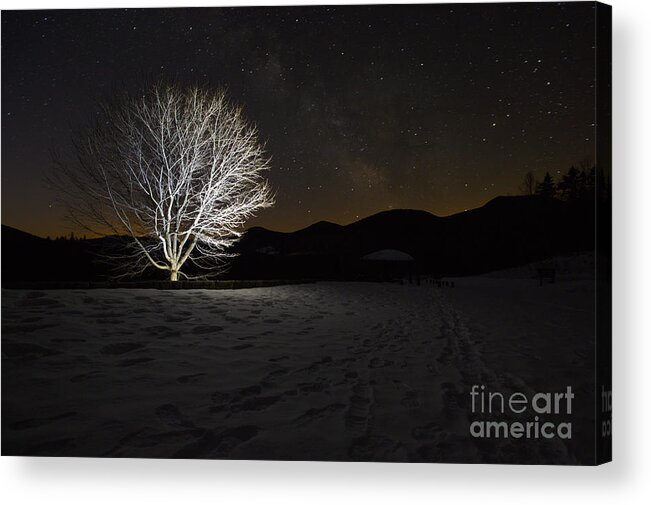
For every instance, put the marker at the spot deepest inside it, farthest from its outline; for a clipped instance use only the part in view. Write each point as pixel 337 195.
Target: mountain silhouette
pixel 505 232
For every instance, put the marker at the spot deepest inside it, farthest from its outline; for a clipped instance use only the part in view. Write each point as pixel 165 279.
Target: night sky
pixel 363 109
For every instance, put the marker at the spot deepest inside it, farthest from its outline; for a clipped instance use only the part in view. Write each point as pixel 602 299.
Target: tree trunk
pixel 174 275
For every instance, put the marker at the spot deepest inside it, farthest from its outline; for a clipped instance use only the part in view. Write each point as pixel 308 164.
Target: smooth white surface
pixel 627 480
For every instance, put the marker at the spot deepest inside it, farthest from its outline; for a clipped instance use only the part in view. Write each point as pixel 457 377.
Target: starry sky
pixel 363 108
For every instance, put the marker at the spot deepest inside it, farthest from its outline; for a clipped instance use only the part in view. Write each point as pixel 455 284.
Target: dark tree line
pixel 71 237
pixel 583 183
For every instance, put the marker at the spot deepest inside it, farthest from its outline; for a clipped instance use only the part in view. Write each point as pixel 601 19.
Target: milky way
pixel 363 109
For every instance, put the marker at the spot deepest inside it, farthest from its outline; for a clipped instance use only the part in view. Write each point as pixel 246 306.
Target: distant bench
pixel 439 282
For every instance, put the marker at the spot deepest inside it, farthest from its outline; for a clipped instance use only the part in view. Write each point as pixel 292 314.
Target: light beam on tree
pixel 180 171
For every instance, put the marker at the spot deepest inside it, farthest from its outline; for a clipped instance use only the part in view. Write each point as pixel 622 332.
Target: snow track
pixel 334 371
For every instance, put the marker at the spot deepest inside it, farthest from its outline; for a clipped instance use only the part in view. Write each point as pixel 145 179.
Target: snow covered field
pixel 329 371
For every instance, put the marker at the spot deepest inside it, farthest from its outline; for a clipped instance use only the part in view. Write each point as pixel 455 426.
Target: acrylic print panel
pixel 351 233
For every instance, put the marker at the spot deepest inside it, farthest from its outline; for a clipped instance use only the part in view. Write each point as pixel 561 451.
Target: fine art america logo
pixel 516 415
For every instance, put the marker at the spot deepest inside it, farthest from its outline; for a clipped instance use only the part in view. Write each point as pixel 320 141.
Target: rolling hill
pixel 505 232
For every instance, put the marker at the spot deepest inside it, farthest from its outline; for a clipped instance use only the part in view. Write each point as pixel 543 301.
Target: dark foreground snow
pixel 328 371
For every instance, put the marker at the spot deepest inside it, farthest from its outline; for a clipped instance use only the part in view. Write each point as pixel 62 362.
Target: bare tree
pixel 179 171
pixel 528 184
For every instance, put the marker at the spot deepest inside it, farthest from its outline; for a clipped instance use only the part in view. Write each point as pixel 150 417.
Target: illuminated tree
pixel 179 171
